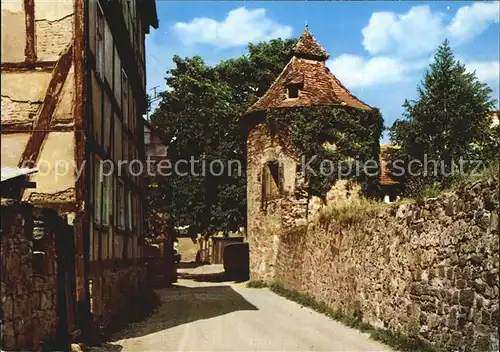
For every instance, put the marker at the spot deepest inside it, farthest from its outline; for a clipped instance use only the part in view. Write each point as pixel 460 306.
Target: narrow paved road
pixel 223 316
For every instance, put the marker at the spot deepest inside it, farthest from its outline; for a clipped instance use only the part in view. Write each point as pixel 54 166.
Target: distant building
pixel 388 185
pixel 154 146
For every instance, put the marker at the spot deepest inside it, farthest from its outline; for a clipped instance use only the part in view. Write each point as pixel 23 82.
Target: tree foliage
pixel 447 122
pixel 199 118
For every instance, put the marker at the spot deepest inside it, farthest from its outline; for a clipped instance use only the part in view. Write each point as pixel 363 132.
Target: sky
pixel 379 50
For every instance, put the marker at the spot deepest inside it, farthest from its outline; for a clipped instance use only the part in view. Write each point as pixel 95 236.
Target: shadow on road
pixel 214 277
pixel 182 305
pixel 189 265
pixel 105 347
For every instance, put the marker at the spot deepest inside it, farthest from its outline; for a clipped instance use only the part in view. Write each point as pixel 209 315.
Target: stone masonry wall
pixel 28 288
pixel 266 220
pixel 44 286
pixel 424 269
pixel 113 289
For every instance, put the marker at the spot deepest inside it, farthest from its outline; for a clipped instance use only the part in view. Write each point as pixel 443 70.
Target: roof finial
pixel 307 26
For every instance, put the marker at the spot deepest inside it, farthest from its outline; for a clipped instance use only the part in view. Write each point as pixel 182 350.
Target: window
pixel 136 213
pixel 97 192
pixel 129 211
pixel 132 111
pixel 293 90
pixel 99 54
pixel 102 193
pixel 132 9
pixel 121 204
pixel 106 195
pixel 125 101
pixel 272 180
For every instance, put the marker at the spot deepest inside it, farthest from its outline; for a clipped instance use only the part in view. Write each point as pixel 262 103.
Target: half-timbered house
pixel 73 96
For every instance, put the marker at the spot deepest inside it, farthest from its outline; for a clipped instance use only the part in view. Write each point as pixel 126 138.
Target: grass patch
pixel 395 340
pixel 490 171
pixel 359 210
pixel 350 213
pixel 256 284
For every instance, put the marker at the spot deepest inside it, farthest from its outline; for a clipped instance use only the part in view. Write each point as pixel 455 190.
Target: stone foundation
pixel 113 289
pixel 427 270
pixel 28 281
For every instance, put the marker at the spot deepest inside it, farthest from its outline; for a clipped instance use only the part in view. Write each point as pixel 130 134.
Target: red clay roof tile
pixel 319 85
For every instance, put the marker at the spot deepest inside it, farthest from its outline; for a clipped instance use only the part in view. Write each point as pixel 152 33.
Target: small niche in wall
pixel 272 180
pixel 38 251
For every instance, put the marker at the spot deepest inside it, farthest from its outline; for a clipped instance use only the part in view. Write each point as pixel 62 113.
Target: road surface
pixel 224 316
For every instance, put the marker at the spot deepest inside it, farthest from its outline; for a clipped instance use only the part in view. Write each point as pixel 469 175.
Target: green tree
pixel 199 117
pixel 447 122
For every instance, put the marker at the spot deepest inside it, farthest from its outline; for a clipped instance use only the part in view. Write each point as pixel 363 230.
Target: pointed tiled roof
pixel 318 86
pixel 307 46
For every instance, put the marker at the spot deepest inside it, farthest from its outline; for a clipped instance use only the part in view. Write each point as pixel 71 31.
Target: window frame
pixel 99 42
pixel 272 180
pixel 129 211
pixel 120 202
pixel 107 197
pixel 296 87
pixel 97 203
pixel 125 97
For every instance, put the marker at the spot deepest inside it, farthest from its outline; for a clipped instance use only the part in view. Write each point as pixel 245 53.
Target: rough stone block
pixel 456 340
pixel 461 283
pixel 483 343
pixel 8 336
pixel 7 308
pixel 467 297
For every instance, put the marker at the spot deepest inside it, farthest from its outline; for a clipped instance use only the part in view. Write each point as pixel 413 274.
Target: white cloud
pixel 419 31
pixel 240 27
pixel 357 71
pixel 469 21
pixel 415 32
pixel 486 71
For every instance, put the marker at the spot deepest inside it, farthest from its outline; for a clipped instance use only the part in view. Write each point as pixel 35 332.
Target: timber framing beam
pixel 30 48
pixel 28 127
pixel 46 112
pixel 44 66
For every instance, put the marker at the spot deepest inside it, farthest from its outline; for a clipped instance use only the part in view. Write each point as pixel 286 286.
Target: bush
pixel 350 213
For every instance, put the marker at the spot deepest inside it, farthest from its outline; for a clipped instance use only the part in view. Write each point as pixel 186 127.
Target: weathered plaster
pixel 13 31
pixel 45 10
pixel 53 37
pixel 58 147
pixel 12 148
pixel 25 86
pixel 15 112
pixel 64 109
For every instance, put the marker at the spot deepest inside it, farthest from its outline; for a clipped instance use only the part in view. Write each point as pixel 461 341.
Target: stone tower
pixel 276 204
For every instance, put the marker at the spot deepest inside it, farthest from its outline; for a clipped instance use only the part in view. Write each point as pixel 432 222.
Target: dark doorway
pixel 66 281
